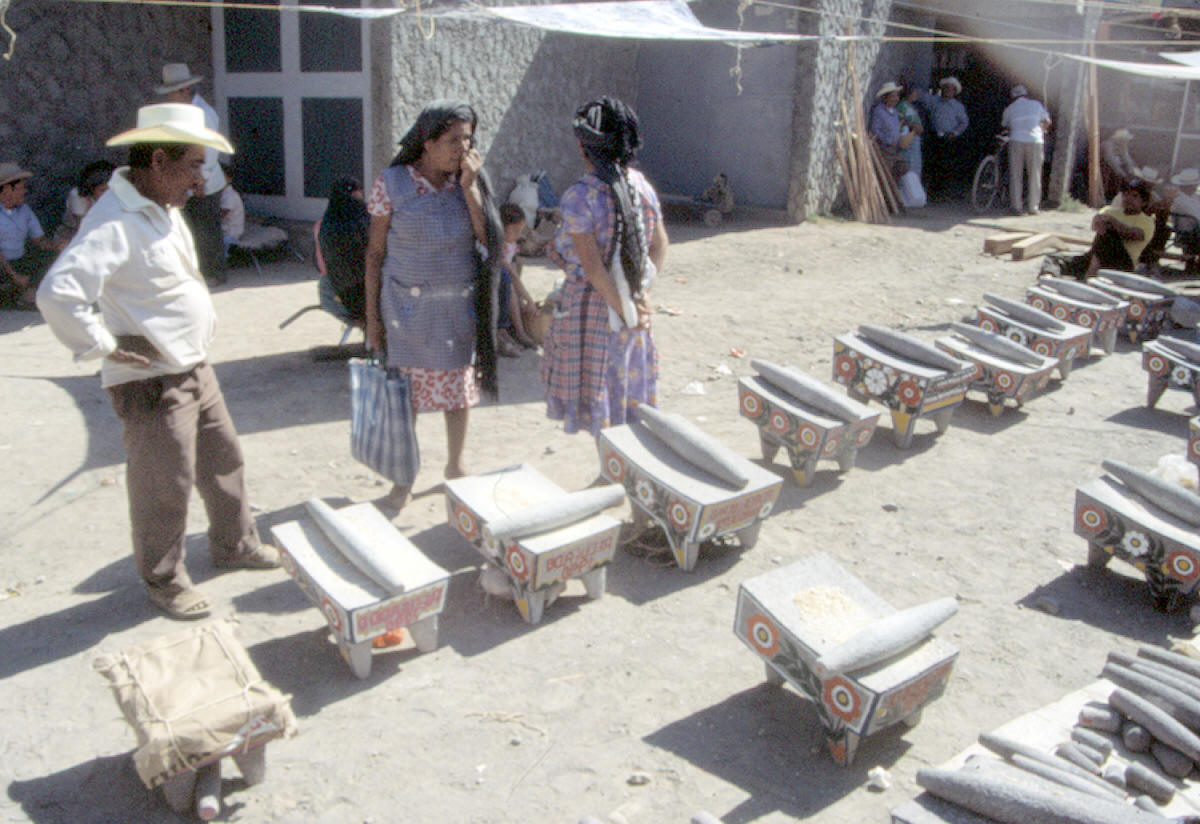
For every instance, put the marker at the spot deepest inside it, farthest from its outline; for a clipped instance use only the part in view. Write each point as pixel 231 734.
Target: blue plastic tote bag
pixel 381 422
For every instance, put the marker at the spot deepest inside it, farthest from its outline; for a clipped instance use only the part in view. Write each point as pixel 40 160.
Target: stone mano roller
pixel 557 512
pixel 810 391
pixel 1171 497
pixel 693 445
pixel 377 566
pixel 1185 348
pixel 909 347
pixel 1079 291
pixel 998 344
pixel 1142 284
pixel 1025 312
pixel 887 637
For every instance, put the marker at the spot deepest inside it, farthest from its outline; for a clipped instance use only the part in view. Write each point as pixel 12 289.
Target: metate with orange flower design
pixel 356 608
pixel 690 505
pixel 998 377
pixel 1168 368
pixel 537 566
pixel 806 433
pixel 1065 345
pixel 790 634
pixel 1104 320
pixel 1118 522
pixel 1147 310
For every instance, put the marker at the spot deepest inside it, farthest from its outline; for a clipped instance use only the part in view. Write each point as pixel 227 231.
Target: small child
pixel 233 211
pixel 515 300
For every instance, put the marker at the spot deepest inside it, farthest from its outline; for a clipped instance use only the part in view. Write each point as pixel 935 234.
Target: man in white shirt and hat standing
pixel 1026 120
pixel 204 209
pixel 128 291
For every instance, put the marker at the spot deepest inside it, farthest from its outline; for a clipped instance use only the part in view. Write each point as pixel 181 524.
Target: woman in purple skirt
pixel 600 359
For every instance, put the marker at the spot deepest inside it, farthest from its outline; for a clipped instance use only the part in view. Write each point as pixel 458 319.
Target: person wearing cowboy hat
pixel 1026 120
pixel 203 211
pixel 886 128
pixel 947 120
pixel 128 292
pixel 1185 212
pixel 25 251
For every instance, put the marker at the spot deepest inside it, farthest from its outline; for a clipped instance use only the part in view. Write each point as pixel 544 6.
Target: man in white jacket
pixel 128 291
pixel 1026 120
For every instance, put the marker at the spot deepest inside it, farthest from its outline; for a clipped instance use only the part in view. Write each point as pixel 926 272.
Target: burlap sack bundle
pixel 193 696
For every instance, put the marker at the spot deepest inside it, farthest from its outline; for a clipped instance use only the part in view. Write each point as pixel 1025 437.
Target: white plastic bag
pixel 912 194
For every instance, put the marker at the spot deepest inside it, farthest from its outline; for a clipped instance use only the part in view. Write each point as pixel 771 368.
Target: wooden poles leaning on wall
pixel 869 185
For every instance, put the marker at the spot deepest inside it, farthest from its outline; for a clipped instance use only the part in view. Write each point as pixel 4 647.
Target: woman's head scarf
pixel 608 134
pixel 433 121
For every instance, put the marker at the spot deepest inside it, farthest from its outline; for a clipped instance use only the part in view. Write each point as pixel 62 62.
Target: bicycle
pixel 990 185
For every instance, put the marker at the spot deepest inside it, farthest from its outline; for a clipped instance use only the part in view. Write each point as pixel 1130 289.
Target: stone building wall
pixel 77 76
pixel 822 84
pixel 524 83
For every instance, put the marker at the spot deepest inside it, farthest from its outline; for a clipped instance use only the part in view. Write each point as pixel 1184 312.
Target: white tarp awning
pixel 632 19
pixel 1165 71
pixel 1186 58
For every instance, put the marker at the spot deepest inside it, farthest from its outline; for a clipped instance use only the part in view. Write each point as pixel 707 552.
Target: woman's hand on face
pixel 469 168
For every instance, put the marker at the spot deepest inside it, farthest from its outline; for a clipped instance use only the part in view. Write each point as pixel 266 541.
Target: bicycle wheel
pixel 986 185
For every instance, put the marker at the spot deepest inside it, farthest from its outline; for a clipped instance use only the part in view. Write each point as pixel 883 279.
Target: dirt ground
pixel 509 722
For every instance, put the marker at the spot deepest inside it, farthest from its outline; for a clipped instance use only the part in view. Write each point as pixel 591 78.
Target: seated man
pixel 1185 212
pixel 1123 229
pixel 21 267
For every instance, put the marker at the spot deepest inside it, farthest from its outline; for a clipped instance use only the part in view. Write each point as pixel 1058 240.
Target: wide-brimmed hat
pixel 888 88
pixel 1148 174
pixel 172 123
pixel 11 171
pixel 951 81
pixel 1019 91
pixel 1122 134
pixel 1186 177
pixel 177 76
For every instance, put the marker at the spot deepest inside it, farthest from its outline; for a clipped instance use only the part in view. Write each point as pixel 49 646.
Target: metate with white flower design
pixel 1104 320
pixel 1168 367
pixel 1066 345
pixel 910 390
pixel 1193 444
pixel 357 608
pixel 790 634
pixel 537 566
pixel 1117 522
pixel 808 434
pixel 690 505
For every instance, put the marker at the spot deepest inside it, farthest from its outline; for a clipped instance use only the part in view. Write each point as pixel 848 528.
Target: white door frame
pixel 291 85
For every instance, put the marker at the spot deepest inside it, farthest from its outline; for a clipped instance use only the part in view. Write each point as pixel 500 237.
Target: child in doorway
pixel 233 211
pixel 515 300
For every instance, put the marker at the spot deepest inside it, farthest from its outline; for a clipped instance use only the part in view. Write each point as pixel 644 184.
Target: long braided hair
pixel 608 132
pixel 433 121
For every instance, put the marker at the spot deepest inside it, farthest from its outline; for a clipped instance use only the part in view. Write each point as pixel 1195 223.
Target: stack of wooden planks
pixel 870 188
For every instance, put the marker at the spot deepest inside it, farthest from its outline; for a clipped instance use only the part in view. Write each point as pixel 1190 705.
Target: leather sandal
pixel 185 605
pixel 263 556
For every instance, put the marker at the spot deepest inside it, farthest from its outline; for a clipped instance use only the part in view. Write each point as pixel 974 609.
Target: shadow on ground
pixel 101 791
pixel 1110 600
pixel 768 742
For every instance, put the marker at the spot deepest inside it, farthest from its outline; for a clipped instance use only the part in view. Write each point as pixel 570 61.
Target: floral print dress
pixel 595 377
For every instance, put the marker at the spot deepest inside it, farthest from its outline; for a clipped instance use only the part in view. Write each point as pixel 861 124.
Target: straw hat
pixel 1019 91
pixel 1148 174
pixel 1186 177
pixel 11 171
pixel 889 87
pixel 172 123
pixel 177 76
pixel 1122 134
pixel 951 81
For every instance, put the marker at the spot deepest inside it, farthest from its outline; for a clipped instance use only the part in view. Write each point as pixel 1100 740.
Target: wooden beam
pixel 1002 243
pixel 1035 245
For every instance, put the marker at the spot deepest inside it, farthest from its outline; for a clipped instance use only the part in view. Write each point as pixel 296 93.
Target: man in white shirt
pixel 1185 209
pixel 203 211
pixel 128 291
pixel 1026 120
